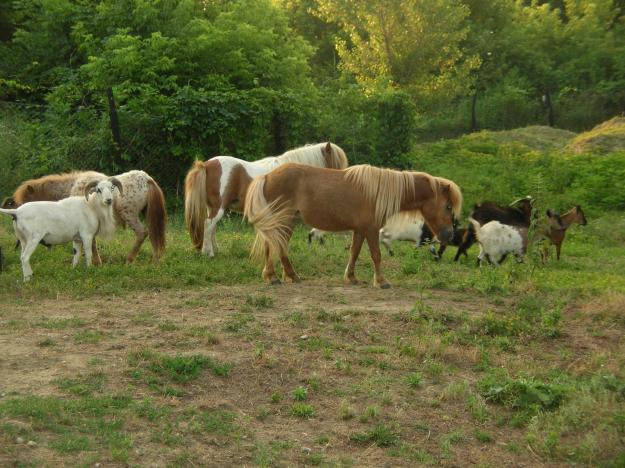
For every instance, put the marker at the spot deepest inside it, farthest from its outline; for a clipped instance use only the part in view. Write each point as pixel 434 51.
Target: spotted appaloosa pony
pixel 553 233
pixel 213 186
pixel 358 199
pixel 141 193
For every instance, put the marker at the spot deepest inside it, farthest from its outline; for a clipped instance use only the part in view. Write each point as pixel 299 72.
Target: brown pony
pixel 358 199
pixel 214 186
pixel 554 233
pixel 140 193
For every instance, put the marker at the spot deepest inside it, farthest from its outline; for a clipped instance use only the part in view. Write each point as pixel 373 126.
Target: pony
pixel 552 233
pixel 359 199
pixel 221 183
pixel 491 211
pixel 141 194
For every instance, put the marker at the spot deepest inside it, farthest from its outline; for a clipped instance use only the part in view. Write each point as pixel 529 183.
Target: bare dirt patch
pixel 363 364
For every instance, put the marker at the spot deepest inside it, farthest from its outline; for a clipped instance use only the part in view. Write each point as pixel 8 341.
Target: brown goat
pixel 554 233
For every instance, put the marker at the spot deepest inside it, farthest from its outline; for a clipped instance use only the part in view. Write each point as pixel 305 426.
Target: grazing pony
pixel 490 211
pixel 497 240
pixel 221 183
pixel 141 193
pixel 554 233
pixel 213 186
pixel 358 199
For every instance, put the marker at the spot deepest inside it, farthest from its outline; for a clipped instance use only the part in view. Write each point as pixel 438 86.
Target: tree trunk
pixel 550 115
pixel 114 121
pixel 473 112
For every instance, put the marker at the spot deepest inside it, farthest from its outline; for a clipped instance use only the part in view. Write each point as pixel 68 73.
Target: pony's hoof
pixel 276 281
pixel 385 286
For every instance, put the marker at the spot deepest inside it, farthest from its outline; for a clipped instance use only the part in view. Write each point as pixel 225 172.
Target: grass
pixel 169 363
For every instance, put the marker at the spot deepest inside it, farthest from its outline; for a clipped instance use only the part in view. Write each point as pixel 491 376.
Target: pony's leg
pixel 76 258
pixel 373 240
pixel 95 254
pixel 357 240
pixel 269 273
pixel 287 268
pixel 27 251
pixel 140 231
pixel 216 220
pixel 209 245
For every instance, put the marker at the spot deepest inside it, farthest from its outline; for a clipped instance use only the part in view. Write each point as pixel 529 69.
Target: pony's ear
pixel 30 189
pixel 446 188
pixel 328 148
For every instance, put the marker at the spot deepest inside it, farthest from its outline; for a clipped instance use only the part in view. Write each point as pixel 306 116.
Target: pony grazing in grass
pixel 141 194
pixel 553 233
pixel 358 199
pixel 213 186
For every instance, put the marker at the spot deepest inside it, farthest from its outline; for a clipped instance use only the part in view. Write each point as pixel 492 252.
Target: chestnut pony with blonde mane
pixel 140 193
pixel 358 199
pixel 213 186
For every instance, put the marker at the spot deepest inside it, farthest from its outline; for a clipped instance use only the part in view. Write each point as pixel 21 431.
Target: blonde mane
pixel 313 156
pixel 455 194
pixel 385 188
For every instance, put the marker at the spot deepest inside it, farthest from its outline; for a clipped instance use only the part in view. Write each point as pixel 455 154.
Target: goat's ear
pixel 89 188
pixel 549 212
pixel 30 189
pixel 115 181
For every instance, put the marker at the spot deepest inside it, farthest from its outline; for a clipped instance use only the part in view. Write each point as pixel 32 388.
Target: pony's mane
pixel 455 194
pixel 385 188
pixel 313 156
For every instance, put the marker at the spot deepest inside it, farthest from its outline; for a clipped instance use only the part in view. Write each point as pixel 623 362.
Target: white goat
pixel 75 219
pixel 497 240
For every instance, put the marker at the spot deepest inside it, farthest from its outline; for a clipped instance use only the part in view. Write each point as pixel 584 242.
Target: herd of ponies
pixel 312 183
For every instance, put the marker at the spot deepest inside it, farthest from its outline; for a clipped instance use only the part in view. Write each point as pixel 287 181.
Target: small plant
pixel 302 410
pixel 276 397
pixel 259 302
pixel 46 342
pixel 300 394
pixel 414 380
pixel 262 413
pixel 346 412
pixel 381 435
pixel 370 412
pixel 483 437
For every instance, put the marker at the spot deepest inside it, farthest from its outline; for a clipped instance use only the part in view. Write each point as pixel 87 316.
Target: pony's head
pixel 106 190
pixel 442 210
pixel 9 203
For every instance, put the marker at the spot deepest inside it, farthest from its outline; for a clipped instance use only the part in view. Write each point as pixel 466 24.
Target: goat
pixel 497 240
pixel 552 231
pixel 77 219
pixel 490 211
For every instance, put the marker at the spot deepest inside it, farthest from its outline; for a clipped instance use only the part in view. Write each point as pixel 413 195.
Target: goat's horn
pixel 89 188
pixel 115 181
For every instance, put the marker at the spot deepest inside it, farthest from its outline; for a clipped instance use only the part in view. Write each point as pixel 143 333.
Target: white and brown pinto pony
pixel 359 199
pixel 141 193
pixel 213 186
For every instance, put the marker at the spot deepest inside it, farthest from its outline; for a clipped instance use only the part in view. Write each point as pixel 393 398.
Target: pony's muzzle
pixel 446 234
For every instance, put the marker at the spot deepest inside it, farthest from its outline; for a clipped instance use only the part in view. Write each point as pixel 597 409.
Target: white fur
pixel 74 219
pixel 402 226
pixel 497 239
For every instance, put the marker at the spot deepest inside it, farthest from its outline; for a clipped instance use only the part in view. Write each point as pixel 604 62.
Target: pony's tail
pixel 271 220
pixel 196 203
pixel 477 227
pixel 156 218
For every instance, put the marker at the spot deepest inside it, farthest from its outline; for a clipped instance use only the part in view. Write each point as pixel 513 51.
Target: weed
pixel 414 380
pixel 382 435
pixel 302 410
pixel 300 394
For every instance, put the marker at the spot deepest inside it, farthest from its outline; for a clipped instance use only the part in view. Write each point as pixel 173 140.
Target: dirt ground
pixel 342 343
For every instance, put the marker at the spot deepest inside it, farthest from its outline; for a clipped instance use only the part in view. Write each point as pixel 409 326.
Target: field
pixel 196 362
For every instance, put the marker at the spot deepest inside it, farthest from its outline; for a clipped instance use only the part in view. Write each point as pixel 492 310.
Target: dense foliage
pixel 114 85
